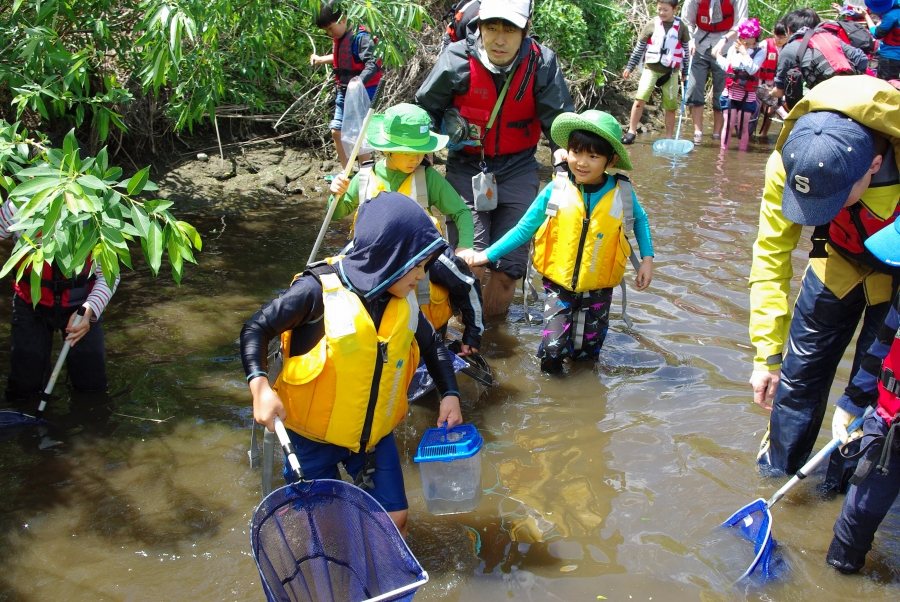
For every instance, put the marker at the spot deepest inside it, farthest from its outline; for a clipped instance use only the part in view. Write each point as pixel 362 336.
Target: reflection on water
pixel 605 482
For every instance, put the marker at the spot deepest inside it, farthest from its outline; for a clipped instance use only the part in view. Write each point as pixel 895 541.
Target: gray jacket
pixel 450 77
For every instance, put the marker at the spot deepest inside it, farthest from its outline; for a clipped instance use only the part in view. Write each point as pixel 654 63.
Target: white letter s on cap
pixel 802 184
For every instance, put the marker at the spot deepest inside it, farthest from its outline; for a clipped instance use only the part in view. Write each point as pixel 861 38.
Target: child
pixel 33 328
pixel 353 334
pixel 742 62
pixel 876 482
pixel 664 40
pixel 403 134
pixel 581 248
pixel 888 31
pixel 771 46
pixel 353 54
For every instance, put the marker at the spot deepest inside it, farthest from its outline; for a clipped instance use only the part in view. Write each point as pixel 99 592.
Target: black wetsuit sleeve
pixel 300 305
pixel 437 358
pixel 366 48
pixel 465 293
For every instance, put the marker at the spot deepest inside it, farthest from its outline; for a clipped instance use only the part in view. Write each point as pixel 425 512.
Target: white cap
pixel 516 12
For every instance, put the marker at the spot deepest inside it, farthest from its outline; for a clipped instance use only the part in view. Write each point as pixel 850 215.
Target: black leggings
pixel 32 341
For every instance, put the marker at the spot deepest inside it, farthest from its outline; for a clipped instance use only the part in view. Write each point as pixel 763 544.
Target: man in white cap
pixel 494 93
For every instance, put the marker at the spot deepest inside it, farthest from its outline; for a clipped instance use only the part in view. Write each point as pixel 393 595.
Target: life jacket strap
pixel 889 381
pixel 419 191
pixel 558 192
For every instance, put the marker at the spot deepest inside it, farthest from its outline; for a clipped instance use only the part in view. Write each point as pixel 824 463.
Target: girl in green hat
pixel 403 133
pixel 579 222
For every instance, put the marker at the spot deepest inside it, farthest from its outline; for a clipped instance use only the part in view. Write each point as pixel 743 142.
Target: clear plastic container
pixel 450 463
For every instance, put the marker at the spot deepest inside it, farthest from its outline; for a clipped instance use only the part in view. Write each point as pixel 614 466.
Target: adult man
pixel 713 25
pixel 499 71
pixel 824 55
pixel 837 170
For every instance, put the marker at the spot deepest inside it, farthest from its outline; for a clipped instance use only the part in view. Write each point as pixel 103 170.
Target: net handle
pixel 288 448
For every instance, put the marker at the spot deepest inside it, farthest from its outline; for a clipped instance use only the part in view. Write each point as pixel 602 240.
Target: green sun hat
pixel 599 122
pixel 404 128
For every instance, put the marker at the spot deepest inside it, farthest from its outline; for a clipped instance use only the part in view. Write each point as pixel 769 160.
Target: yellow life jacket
pixel 581 252
pixel 327 391
pixel 434 301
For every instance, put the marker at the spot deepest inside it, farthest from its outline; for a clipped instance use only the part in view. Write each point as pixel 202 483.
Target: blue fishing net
pixel 422 382
pixel 8 418
pixel 754 523
pixel 327 540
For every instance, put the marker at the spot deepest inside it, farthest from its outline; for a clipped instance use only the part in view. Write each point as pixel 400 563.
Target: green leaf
pixel 16 5
pixel 155 246
pixel 112 174
pixel 157 206
pixel 37 268
pixel 70 145
pixel 15 258
pixel 192 235
pixel 92 182
pixel 32 187
pixel 138 180
pixel 52 216
pixel 140 219
pixel 36 202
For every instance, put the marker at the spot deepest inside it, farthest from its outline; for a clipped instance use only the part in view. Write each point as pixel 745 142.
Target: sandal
pixel 717 136
pixel 628 138
pixel 698 137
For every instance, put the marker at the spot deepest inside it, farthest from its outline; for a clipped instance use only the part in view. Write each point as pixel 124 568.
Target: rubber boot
pixel 846 560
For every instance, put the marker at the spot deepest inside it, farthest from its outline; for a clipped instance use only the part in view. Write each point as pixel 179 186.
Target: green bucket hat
pixel 599 122
pixel 404 128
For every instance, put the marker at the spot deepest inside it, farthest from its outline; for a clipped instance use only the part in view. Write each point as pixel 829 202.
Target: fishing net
pixel 422 382
pixel 9 419
pixel 753 522
pixel 327 540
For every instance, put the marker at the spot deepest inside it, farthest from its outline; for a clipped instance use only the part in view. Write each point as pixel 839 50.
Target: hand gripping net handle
pixel 288 448
pixel 45 396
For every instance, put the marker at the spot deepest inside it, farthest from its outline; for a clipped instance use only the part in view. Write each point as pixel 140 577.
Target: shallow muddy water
pixel 601 484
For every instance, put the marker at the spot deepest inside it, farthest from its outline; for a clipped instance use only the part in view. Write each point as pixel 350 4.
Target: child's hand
pixel 266 403
pixel 645 274
pixel 474 258
pixel 449 412
pixel 465 350
pixel 339 185
pixel 77 332
pixel 626 73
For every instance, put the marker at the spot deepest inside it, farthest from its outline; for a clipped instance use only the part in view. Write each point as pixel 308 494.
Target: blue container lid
pixel 457 443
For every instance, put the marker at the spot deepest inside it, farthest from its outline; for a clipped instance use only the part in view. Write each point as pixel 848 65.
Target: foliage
pixel 82 61
pixel 73 212
pixel 587 35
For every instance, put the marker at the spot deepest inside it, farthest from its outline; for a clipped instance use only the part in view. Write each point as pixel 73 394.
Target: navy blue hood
pixel 393 234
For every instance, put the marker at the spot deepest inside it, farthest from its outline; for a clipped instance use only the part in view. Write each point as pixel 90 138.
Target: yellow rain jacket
pixel 327 391
pixel 873 103
pixel 580 252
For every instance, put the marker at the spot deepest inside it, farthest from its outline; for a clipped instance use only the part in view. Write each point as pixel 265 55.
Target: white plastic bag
pixel 356 105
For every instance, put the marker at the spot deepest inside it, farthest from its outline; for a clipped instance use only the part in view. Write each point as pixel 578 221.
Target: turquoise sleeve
pixel 642 228
pixel 525 229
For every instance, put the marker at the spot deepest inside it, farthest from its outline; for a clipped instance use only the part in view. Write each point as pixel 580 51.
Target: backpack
pixel 793 86
pixel 858 35
pixel 461 15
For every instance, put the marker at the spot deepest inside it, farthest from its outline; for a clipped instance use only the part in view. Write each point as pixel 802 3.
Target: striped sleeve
pixel 101 293
pixel 6 219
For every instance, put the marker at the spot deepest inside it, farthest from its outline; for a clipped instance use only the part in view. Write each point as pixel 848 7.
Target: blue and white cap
pixel 824 156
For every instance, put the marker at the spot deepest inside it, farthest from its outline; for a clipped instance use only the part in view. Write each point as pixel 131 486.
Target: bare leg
pixel 498 294
pixel 718 120
pixel 637 109
pixel 727 125
pixel 342 156
pixel 399 517
pixel 670 124
pixel 697 117
pixel 745 118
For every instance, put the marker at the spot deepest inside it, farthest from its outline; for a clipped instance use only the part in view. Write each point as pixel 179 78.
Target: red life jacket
pixel 848 233
pixel 56 290
pixel 517 126
pixel 767 70
pixel 893 36
pixel 723 25
pixel 829 46
pixel 889 385
pixel 345 59
pixel 742 78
